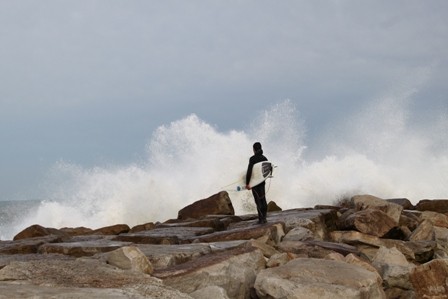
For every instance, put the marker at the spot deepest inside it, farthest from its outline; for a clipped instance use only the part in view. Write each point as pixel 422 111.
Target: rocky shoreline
pixel 364 247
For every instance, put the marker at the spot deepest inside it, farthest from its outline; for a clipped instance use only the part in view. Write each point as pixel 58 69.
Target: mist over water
pixel 378 151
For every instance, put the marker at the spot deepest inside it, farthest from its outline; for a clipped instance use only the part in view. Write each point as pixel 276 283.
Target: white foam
pixel 376 151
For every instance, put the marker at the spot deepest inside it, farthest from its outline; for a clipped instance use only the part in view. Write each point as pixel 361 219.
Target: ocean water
pixel 379 150
pixel 12 213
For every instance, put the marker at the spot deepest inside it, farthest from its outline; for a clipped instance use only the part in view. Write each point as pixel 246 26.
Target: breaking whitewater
pixel 378 151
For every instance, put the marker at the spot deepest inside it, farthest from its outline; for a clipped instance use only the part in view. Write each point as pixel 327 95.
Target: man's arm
pixel 249 172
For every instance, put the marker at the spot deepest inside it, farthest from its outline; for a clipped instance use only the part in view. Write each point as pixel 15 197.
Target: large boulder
pixel 316 278
pixel 404 202
pixel 363 202
pixel 430 280
pixel 437 219
pixel 393 267
pixel 129 258
pixel 112 230
pixel 142 227
pixel 234 271
pixel 355 238
pixel 218 204
pixel 76 231
pixel 356 260
pixel 424 232
pixel 273 207
pixel 298 234
pixel 37 230
pixel 434 205
pixel 410 219
pixel 369 221
pixel 319 222
pixel 164 256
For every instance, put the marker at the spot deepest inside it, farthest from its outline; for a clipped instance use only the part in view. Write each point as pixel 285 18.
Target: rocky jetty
pixel 362 247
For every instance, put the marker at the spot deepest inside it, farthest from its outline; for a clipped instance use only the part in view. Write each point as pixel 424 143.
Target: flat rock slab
pixel 318 221
pixel 25 290
pixel 83 248
pixel 10 290
pixel 274 231
pixel 164 256
pixel 409 249
pixel 343 249
pixel 80 273
pixel 316 248
pixel 317 278
pixel 166 235
pixel 213 222
pixel 354 238
pixel 435 205
pixel 26 246
pixel 7 259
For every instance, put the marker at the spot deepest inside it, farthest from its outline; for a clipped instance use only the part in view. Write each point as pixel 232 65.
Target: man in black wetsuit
pixel 258 191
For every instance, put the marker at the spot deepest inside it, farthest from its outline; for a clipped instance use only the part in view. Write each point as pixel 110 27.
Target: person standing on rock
pixel 258 191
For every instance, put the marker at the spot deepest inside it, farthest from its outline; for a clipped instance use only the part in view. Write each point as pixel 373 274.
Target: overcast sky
pixel 89 81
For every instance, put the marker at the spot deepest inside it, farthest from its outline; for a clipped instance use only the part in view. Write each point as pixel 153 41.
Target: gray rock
pixel 299 234
pixel 165 235
pixel 279 259
pixel 209 293
pixel 355 238
pixel 233 270
pixel 393 267
pixel 315 278
pixel 320 222
pixel 26 290
pixel 404 202
pixel 9 258
pixel 424 232
pixel 164 256
pixel 10 290
pixel 437 219
pixel 274 231
pixel 130 258
pixel 82 272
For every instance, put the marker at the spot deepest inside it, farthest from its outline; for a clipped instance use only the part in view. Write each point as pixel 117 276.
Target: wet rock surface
pixel 372 248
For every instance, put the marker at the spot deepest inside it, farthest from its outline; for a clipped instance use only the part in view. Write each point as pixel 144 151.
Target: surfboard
pixel 261 171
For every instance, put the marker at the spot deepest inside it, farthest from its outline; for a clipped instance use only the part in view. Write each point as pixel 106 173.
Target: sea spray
pixel 376 151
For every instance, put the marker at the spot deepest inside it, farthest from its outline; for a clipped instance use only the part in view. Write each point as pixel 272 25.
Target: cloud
pixel 104 66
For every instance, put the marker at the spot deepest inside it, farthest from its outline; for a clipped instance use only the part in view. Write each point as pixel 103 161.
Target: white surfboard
pixel 261 171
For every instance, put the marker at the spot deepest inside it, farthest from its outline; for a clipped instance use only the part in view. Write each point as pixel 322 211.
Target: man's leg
pixel 263 204
pixel 257 202
pixel 260 200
